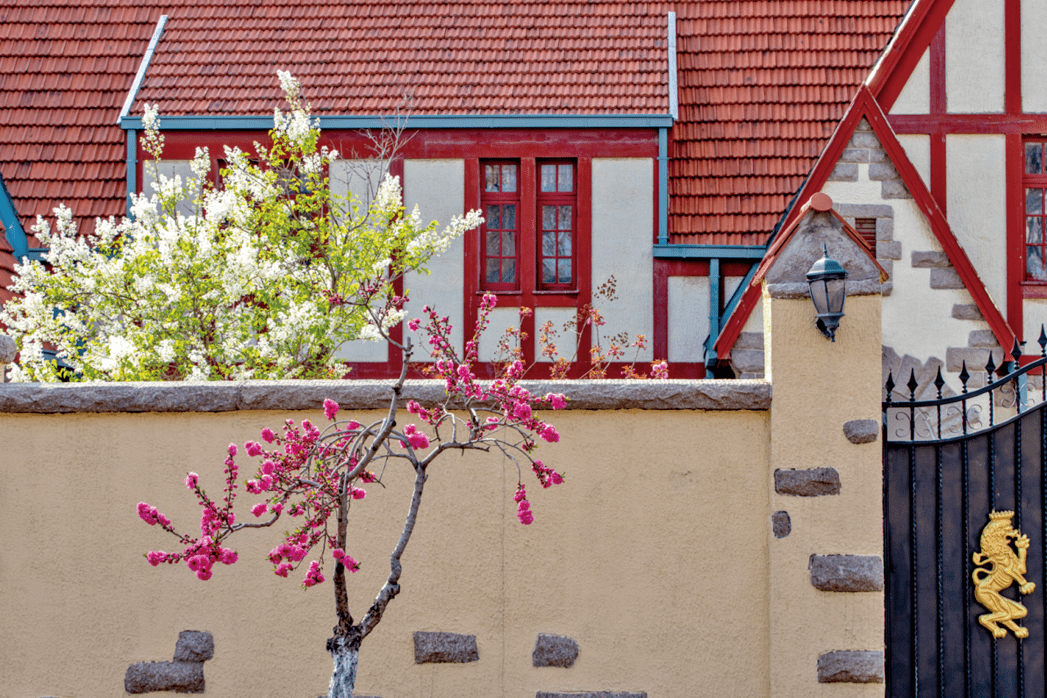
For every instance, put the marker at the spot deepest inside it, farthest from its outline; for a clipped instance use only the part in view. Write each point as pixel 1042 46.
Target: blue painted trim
pixel 132 167
pixel 13 227
pixel 714 308
pixel 665 251
pixel 254 123
pixel 736 298
pixel 663 186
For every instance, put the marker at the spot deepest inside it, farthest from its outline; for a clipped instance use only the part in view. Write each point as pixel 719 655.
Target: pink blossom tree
pixel 311 476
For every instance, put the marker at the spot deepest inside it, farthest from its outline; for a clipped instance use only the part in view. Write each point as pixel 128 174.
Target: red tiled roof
pixel 762 85
pixel 461 57
pixel 65 69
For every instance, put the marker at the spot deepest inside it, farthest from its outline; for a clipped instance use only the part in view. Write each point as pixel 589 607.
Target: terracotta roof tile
pixel 461 57
pixel 761 86
pixel 65 69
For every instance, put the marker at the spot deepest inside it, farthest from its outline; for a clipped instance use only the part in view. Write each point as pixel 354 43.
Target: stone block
pixel 882 171
pixel 878 155
pixel 983 338
pixel 812 482
pixel 888 266
pixel 8 349
pixel 889 249
pixel 850 667
pixel 846 573
pixel 444 648
pixel 194 646
pixel 864 139
pixel 781 524
pixel 894 189
pixel 865 210
pixel 844 172
pixel 749 340
pixel 854 155
pixel 975 357
pixel 929 259
pixel 967 311
pixel 181 677
pixel 861 431
pixel 747 360
pixel 863 125
pixel 886 289
pixel 554 650
pixel 884 229
pixel 946 278
pixel 590 694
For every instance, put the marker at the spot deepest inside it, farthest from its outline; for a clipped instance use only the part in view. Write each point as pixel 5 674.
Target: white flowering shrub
pixel 266 278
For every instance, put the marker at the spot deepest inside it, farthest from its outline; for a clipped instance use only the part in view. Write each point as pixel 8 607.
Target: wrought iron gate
pixel 949 463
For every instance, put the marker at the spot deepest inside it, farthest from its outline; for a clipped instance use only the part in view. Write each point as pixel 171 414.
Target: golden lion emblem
pixel 1005 568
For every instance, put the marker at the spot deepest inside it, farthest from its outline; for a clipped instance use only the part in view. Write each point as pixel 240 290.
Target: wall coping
pixel 50 398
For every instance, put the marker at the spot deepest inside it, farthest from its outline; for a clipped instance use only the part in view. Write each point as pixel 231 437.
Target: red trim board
pixel 904 52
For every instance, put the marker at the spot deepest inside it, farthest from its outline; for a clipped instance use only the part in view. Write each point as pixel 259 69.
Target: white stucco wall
pixel 171 169
pixel 501 319
pixel 976 181
pixel 688 317
pixel 437 187
pixel 622 237
pixel 918 149
pixel 1034 314
pixel 915 97
pixel 974 64
pixel 566 340
pixel 1034 56
pixel 359 178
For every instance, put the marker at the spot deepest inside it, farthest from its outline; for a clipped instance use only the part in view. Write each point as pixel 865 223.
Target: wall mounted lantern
pixel 827 278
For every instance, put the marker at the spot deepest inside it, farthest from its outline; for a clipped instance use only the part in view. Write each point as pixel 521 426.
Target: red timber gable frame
pixel 865 105
pixel 928 29
pixel 527 149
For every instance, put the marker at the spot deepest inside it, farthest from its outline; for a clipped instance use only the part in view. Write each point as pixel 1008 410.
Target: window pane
pixel 565 271
pixel 1034 230
pixel 492 271
pixel 548 244
pixel 492 217
pixel 509 217
pixel 492 244
pixel 508 177
pixel 548 218
pixel 1034 200
pixel 1034 266
pixel 564 248
pixel 509 271
pixel 566 182
pixel 509 244
pixel 548 271
pixel 1033 158
pixel 548 177
pixel 565 218
pixel 491 178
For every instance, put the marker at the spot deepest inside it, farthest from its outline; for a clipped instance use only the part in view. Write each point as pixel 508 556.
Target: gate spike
pixel 990 366
pixel 1042 341
pixel 964 375
pixel 889 385
pixel 939 382
pixel 913 384
pixel 1016 352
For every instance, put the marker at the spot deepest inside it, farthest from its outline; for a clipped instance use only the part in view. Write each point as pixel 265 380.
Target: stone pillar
pixel 826 528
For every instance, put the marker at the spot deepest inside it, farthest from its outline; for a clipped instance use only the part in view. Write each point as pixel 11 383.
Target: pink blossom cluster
pixel 347 560
pixel 418 440
pixel 523 509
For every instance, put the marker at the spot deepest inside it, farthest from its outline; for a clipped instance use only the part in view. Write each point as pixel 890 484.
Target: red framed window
pixel 557 200
pixel 1034 182
pixel 500 232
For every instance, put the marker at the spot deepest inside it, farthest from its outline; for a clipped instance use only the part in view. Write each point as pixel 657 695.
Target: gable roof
pixel 864 105
pixel 762 86
pixel 360 57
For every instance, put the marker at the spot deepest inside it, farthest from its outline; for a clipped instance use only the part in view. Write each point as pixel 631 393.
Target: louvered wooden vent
pixel 866 227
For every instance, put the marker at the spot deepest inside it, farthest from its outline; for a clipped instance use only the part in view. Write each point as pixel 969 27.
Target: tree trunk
pixel 345 652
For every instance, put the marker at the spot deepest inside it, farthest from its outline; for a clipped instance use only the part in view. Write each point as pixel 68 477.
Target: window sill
pixel 1034 289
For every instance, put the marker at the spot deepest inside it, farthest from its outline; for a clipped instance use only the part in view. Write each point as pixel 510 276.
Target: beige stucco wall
pixel 818 386
pixel 974 66
pixel 917 148
pixel 622 237
pixel 688 317
pixel 653 556
pixel 1034 56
